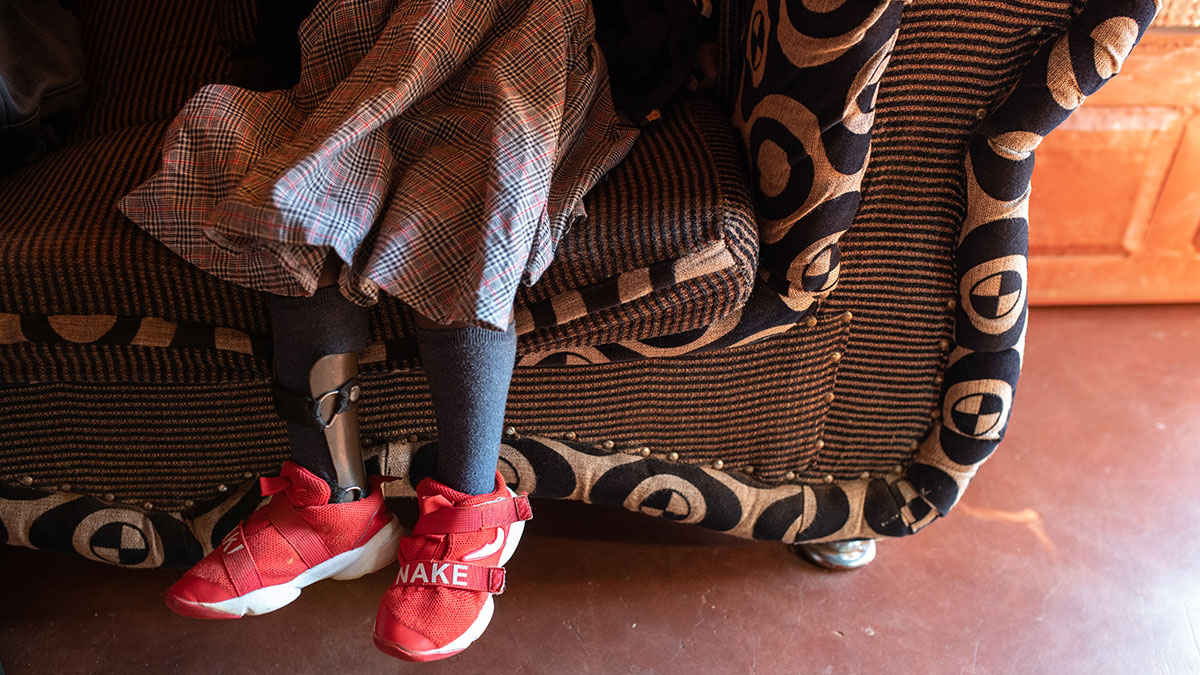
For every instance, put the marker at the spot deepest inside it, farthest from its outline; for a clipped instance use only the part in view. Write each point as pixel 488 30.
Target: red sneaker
pixel 450 566
pixel 296 539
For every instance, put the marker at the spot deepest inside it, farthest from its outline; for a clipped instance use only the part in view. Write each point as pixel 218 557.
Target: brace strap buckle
pixel 318 412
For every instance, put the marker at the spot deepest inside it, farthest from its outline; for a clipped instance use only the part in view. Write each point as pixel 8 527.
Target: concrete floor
pixel 1077 550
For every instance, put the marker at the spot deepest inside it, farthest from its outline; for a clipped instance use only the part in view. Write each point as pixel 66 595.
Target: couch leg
pixel 838 555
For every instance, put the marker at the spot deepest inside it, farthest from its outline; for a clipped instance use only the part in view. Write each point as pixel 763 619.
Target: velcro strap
pixel 452 519
pixel 297 532
pixel 270 485
pixel 452 574
pixel 239 563
pixel 319 412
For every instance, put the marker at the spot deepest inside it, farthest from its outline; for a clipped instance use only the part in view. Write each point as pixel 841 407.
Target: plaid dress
pixel 441 149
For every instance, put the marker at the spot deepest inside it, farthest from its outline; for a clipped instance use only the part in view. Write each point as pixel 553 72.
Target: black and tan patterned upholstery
pixel 805 108
pixel 679 363
pixel 993 241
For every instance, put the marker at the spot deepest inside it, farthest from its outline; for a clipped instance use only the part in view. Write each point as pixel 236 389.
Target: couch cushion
pixel 669 245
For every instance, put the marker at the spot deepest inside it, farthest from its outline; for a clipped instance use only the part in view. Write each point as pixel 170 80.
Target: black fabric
pixel 303 329
pixel 469 370
pixel 42 88
pixel 650 48
pixel 272 61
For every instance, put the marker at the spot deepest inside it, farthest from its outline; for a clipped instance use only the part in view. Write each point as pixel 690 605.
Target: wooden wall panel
pixel 1115 207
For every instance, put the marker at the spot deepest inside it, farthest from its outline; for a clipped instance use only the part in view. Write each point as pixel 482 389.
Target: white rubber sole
pixel 379 552
pixel 485 613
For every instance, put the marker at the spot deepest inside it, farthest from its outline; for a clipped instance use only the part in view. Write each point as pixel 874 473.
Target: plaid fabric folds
pixel 441 149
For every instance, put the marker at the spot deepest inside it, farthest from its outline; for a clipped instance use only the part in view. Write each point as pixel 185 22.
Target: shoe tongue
pixel 306 489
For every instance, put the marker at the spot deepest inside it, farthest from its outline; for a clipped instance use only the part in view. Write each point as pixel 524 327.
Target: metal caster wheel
pixel 838 555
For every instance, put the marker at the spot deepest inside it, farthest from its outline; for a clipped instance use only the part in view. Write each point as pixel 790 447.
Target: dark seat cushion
pixel 669 244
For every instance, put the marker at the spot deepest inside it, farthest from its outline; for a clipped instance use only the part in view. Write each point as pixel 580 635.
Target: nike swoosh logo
pixel 489 548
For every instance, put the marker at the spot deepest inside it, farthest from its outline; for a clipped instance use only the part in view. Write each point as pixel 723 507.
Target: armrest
pixel 989 332
pixel 805 109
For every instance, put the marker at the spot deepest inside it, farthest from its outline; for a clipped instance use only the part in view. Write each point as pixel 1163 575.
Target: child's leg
pixel 469 369
pixel 317 340
pixel 322 520
pixel 469 521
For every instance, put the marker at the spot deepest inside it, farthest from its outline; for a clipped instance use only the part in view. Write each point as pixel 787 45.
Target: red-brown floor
pixel 1077 550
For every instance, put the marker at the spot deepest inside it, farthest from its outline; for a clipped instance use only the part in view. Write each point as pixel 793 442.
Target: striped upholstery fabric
pixel 770 419
pixel 138 72
pixel 833 427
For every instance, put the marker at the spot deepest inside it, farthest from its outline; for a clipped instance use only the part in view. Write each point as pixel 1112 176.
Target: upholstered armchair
pixel 794 313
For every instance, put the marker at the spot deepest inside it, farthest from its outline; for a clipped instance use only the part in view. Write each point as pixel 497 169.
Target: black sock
pixel 469 370
pixel 303 329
